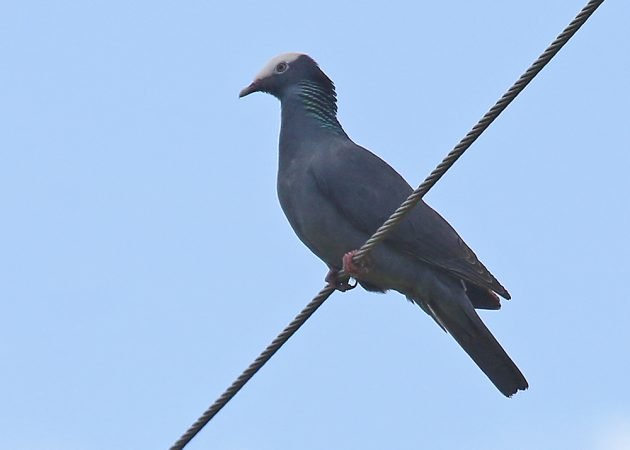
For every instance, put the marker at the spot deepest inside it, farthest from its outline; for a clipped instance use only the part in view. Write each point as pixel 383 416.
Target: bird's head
pixel 284 72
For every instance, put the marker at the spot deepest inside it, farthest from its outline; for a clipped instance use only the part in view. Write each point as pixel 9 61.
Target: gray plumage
pixel 335 194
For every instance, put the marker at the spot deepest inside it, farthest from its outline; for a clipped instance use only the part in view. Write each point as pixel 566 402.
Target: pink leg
pixel 356 271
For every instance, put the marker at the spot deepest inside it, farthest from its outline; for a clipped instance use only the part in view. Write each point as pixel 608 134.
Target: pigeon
pixel 335 194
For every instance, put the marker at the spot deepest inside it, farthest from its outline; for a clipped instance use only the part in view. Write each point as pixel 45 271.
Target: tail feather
pixel 463 323
pixel 480 297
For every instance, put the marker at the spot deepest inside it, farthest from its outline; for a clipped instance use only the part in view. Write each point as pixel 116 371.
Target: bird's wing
pixel 366 190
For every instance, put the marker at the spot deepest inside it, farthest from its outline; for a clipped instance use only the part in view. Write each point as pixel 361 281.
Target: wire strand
pixel 394 220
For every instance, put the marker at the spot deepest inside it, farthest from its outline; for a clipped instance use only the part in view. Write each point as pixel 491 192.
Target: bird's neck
pixel 309 109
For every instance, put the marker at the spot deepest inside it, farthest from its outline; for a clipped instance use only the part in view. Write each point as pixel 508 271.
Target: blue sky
pixel 144 259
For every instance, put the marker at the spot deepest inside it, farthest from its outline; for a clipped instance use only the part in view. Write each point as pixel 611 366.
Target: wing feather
pixel 366 190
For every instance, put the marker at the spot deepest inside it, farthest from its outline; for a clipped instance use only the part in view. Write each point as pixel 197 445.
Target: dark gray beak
pixel 254 87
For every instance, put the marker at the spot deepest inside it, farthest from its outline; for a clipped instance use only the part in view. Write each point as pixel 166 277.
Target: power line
pixel 394 220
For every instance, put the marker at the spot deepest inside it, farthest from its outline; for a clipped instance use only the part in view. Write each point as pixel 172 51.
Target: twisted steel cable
pixel 393 220
pixel 478 129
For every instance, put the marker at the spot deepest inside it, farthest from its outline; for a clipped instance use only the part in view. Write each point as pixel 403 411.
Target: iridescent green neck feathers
pixel 321 104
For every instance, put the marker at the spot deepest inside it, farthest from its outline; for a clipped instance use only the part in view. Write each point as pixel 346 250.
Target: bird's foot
pixel 332 278
pixel 353 269
pixel 350 269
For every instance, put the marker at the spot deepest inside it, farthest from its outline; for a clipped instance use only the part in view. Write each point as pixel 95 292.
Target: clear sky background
pixel 145 261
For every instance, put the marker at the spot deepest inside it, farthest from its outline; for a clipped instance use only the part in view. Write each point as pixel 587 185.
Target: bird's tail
pixel 462 322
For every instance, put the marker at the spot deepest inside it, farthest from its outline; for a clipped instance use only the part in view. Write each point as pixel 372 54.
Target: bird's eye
pixel 281 67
